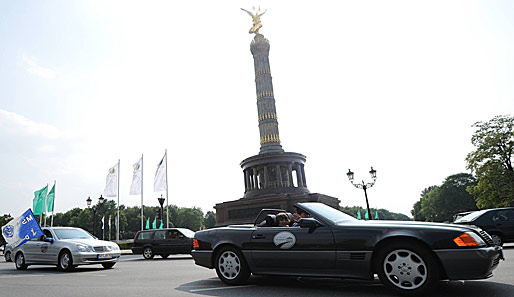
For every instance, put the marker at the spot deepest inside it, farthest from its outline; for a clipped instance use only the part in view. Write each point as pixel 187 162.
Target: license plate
pixel 104 256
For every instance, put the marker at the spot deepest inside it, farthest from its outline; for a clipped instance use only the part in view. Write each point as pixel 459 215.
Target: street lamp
pixel 93 208
pixel 364 186
pixel 161 202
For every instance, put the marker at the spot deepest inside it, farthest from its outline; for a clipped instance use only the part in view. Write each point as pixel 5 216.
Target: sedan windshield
pixel 333 215
pixel 470 217
pixel 72 234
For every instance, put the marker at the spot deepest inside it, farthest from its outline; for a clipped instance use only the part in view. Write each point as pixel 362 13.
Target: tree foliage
pixel 130 219
pixel 491 162
pixel 440 203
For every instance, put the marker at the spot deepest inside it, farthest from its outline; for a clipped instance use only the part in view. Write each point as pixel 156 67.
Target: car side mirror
pixel 49 239
pixel 309 223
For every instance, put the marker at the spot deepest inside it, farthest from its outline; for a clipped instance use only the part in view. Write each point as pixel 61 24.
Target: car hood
pixel 91 242
pixel 411 224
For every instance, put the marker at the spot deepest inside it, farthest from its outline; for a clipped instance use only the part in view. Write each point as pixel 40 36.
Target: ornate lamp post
pixel 161 202
pixel 93 208
pixel 364 186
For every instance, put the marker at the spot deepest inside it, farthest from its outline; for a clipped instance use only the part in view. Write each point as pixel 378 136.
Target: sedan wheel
pixel 20 262
pixel 407 268
pixel 148 253
pixel 65 261
pixel 231 266
pixel 8 257
pixel 497 240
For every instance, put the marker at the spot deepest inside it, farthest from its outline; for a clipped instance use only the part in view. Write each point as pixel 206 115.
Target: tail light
pixel 195 243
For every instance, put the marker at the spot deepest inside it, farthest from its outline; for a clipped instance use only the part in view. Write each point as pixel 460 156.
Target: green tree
pixel 210 219
pixel 416 210
pixel 441 203
pixel 191 218
pixel 491 162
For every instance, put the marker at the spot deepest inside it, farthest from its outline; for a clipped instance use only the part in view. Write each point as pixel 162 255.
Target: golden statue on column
pixel 256 16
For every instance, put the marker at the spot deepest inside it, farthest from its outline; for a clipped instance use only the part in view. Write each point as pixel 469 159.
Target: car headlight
pixel 469 239
pixel 84 248
pixel 112 248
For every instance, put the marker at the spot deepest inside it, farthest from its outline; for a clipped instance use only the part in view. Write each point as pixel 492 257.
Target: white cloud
pixel 33 67
pixel 12 123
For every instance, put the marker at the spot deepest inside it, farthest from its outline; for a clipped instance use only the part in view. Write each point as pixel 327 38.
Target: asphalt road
pixel 178 276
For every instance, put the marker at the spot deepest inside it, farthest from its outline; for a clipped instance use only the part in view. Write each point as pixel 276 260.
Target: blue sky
pixel 391 84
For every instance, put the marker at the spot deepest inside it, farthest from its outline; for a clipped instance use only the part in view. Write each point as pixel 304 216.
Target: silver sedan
pixel 66 247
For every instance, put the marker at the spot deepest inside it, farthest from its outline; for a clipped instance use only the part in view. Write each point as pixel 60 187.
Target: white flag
pixel 103 225
pixel 159 183
pixel 111 183
pixel 135 188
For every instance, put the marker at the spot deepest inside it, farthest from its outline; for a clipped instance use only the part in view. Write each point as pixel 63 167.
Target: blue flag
pixel 21 229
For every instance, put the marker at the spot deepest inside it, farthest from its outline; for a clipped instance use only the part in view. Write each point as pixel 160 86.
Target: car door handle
pixel 258 236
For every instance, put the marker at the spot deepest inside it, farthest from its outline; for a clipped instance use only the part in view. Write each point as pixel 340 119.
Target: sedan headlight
pixel 469 239
pixel 84 248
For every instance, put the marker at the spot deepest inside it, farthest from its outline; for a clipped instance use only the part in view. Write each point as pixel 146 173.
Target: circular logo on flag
pixel 284 240
pixel 8 231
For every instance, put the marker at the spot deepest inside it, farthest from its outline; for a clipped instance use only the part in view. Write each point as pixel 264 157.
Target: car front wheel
pixel 148 253
pixel 497 239
pixel 8 257
pixel 65 261
pixel 231 266
pixel 407 268
pixel 19 261
pixel 108 265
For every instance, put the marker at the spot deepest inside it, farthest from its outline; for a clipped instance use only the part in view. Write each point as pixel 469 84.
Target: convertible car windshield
pixel 470 217
pixel 333 215
pixel 72 234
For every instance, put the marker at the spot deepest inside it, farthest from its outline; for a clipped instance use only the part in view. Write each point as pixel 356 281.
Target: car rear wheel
pixel 407 268
pixel 20 262
pixel 497 239
pixel 148 253
pixel 108 265
pixel 8 257
pixel 65 262
pixel 231 266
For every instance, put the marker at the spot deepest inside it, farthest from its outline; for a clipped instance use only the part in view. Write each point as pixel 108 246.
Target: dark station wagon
pixel 163 242
pixel 408 257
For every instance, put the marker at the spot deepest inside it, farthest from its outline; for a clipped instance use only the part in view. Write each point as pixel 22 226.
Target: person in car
pixel 283 219
pixel 300 214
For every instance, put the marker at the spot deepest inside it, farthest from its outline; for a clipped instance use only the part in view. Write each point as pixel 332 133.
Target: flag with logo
pixel 358 214
pixel 160 227
pixel 376 215
pixel 160 175
pixel 135 188
pixel 147 224
pixel 154 224
pixel 21 229
pixel 50 200
pixel 39 201
pixel 111 182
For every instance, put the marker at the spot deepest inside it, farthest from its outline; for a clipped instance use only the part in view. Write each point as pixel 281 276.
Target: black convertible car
pixel 408 257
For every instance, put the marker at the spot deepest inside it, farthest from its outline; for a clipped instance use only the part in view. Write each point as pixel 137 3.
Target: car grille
pixel 487 238
pixel 100 249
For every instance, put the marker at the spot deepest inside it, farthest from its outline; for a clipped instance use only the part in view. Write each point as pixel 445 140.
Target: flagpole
pixel 52 221
pixel 46 203
pixel 167 204
pixel 142 226
pixel 118 216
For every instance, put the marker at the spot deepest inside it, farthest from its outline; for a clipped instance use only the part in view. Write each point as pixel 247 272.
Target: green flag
pixel 376 215
pixel 358 214
pixel 147 223
pixel 366 215
pixel 160 227
pixel 38 203
pixel 154 224
pixel 50 200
